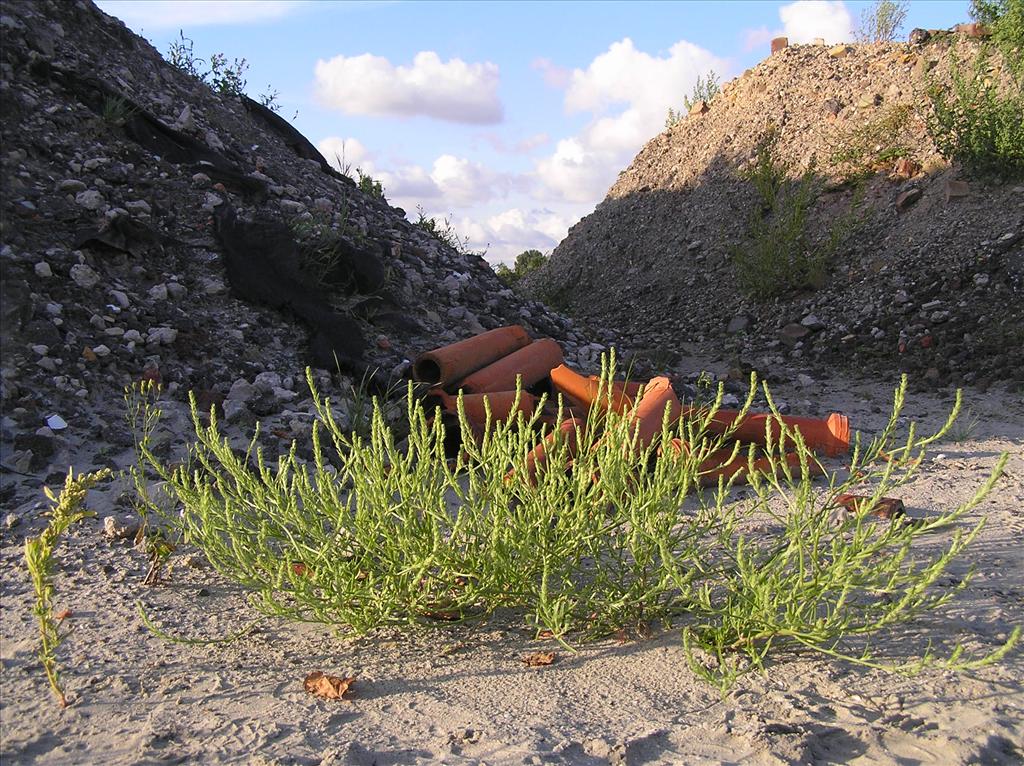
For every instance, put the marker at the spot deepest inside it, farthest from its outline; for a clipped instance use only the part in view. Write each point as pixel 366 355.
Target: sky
pixel 510 119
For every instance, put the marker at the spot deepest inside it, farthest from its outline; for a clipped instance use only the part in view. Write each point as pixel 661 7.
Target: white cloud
pixel 554 75
pixel 172 14
pixel 510 232
pixel 628 92
pixel 805 20
pixel 445 90
pixel 345 154
pixel 755 38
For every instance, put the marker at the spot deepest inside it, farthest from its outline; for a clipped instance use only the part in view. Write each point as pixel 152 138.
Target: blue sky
pixel 511 118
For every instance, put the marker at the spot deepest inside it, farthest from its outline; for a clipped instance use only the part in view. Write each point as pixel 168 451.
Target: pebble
pixel 101 350
pixel 43 270
pixel 71 185
pixel 163 335
pixel 158 292
pixel 120 298
pixel 84 276
pixel 90 199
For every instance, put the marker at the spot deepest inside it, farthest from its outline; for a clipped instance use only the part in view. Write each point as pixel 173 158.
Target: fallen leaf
pixel 539 659
pixel 62 615
pixel 885 508
pixel 545 634
pixel 328 687
pixel 300 569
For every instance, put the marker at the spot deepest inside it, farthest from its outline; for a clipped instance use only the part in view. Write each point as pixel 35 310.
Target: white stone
pixel 43 270
pixel 84 276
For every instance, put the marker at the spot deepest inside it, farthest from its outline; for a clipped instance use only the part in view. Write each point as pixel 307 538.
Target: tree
pixel 526 261
pixel 882 22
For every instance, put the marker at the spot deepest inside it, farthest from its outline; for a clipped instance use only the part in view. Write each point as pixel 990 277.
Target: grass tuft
pixel 65 510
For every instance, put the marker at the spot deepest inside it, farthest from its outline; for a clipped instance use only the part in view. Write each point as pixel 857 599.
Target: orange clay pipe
pixel 447 364
pixel 532 363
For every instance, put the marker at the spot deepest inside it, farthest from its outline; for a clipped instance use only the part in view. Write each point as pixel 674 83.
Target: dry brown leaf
pixel 328 687
pixel 62 615
pixel 539 659
pixel 545 634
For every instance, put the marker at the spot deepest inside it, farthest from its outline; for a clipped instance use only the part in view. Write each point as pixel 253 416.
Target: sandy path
pixel 464 696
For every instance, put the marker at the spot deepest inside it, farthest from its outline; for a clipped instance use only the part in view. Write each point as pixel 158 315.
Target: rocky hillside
pixel 925 262
pixel 155 229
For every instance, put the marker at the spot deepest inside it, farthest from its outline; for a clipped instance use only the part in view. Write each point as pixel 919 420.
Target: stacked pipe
pixel 486 369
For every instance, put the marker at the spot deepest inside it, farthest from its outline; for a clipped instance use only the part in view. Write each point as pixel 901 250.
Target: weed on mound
pixel 397 528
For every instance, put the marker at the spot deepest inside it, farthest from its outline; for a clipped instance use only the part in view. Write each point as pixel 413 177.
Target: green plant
pixel 443 231
pixel 223 77
pixel 779 254
pixel 882 22
pixel 142 416
pixel 181 55
pixel 1005 20
pixel 321 244
pixel 822 583
pixel 977 122
pixel 963 430
pixel 526 262
pixel 705 89
pixel 268 98
pixel 394 533
pixel 65 510
pixel 367 185
pixel 117 111
pixel 874 145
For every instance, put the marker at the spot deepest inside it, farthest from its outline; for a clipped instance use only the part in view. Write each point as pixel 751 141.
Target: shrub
pixel 526 262
pixel 1005 19
pixel 876 144
pixel 705 90
pixel 223 77
pixel 779 254
pixel 65 510
pixel 977 122
pixel 367 185
pixel 882 22
pixel 401 534
pixel 443 231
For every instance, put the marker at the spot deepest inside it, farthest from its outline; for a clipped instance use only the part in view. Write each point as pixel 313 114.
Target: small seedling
pixel 66 509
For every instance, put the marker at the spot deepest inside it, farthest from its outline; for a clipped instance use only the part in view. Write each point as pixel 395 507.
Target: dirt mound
pixel 926 268
pixel 155 228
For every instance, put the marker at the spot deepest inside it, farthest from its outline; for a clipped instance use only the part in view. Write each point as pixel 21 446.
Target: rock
pixel 39 447
pixel 241 391
pixel 699 107
pixel 956 189
pixel 132 336
pixel 839 51
pixel 113 530
pixel 158 292
pixel 973 29
pixel 120 298
pixel 71 185
pixel 201 181
pixel 805 381
pixel 738 323
pixel 176 291
pixel 84 276
pixel 292 207
pixel 101 351
pixel 235 411
pixel 792 333
pixel 56 422
pixel 811 322
pixel 11 521
pixel 981 280
pixel 906 168
pixel 869 100
pixel 90 199
pixel 138 207
pixel 906 199
pixel 185 122
pixel 213 141
pixel 164 336
pixel 43 270
pixel 919 36
pixel 779 43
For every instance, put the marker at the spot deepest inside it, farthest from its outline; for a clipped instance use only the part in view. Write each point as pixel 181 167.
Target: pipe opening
pixel 427 371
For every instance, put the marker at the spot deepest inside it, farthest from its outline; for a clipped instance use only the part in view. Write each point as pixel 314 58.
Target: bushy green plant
pixel 867 147
pixel 443 231
pixel 65 510
pixel 117 111
pixel 367 185
pixel 224 77
pixel 978 122
pixel 882 22
pixel 181 55
pixel 705 89
pixel 1005 20
pixel 401 534
pixel 779 253
pixel 526 262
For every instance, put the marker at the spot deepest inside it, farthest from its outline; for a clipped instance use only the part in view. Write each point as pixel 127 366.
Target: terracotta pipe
pixel 584 390
pixel 532 363
pixel 501 404
pixel 831 435
pixel 718 464
pixel 650 411
pixel 447 364
pixel 538 457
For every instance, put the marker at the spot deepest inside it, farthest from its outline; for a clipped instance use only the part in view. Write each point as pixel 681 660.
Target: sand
pixel 464 696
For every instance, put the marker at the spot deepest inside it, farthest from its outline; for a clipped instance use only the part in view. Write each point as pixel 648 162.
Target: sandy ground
pixel 464 696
